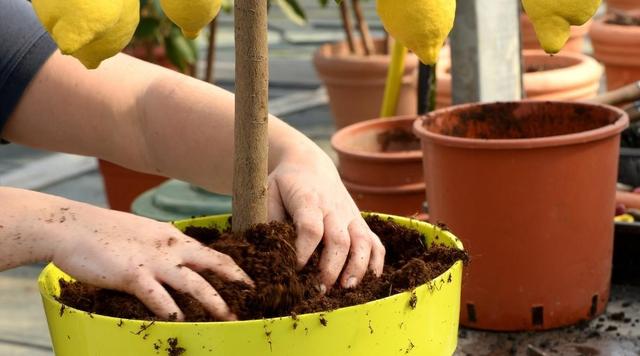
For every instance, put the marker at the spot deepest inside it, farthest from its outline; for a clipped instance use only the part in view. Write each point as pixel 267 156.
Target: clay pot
pixel 122 186
pixel 355 83
pixel 565 76
pixel 622 5
pixel 389 326
pixel 618 48
pixel 389 182
pixel 529 187
pixel 574 44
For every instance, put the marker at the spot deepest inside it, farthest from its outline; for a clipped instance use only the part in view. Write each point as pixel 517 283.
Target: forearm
pixel 143 117
pixel 28 226
pixel 188 128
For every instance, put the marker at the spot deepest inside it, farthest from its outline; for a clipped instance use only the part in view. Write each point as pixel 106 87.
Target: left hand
pixel 306 184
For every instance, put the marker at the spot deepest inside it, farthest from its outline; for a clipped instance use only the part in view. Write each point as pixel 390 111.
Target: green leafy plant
pixel 157 31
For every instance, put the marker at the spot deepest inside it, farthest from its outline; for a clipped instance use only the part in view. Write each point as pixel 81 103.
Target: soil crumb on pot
pixel 398 140
pixel 267 253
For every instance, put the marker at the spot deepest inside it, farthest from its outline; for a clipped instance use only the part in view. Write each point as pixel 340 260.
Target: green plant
pixel 156 30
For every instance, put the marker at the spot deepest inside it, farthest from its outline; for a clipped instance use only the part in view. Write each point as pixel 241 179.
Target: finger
pixel 378 252
pixel 335 252
pixel 361 245
pixel 200 258
pixel 274 200
pixel 187 281
pixel 156 298
pixel 308 220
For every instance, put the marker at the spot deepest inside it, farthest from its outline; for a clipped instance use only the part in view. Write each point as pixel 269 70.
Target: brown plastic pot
pixel 530 189
pixel 565 76
pixel 380 181
pixel 122 186
pixel 613 5
pixel 574 44
pixel 355 83
pixel 618 48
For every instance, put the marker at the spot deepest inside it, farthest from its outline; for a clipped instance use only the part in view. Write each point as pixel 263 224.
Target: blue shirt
pixel 24 47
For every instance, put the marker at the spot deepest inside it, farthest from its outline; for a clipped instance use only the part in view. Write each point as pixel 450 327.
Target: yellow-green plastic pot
pixel 385 327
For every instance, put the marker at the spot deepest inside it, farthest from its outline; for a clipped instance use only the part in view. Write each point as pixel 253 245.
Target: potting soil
pixel 267 254
pixel 398 140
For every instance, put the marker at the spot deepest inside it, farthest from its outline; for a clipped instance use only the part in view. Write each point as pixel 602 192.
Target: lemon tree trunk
pixel 251 114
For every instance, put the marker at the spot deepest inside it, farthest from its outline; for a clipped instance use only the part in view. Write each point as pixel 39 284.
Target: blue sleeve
pixel 24 47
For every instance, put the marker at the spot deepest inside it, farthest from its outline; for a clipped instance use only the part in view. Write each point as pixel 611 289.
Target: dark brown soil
pixel 519 120
pixel 267 254
pixel 398 140
pixel 623 19
pixel 536 68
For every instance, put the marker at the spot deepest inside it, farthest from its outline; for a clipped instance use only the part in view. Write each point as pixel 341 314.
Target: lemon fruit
pixel 552 19
pixel 91 31
pixel 191 16
pixel 420 25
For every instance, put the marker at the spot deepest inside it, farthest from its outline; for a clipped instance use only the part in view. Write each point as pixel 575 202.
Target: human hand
pixel 136 255
pixel 306 184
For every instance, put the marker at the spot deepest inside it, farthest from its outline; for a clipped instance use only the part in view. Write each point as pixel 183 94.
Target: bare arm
pixel 111 249
pixel 141 116
pixel 155 120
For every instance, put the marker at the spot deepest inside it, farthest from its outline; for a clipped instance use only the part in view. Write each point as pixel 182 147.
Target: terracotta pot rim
pixel 530 143
pixel 321 59
pixel 395 189
pixel 341 136
pixel 603 30
pixel 584 61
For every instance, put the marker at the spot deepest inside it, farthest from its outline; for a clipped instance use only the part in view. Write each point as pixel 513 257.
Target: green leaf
pixel 179 50
pixel 323 3
pixel 293 11
pixel 227 6
pixel 147 28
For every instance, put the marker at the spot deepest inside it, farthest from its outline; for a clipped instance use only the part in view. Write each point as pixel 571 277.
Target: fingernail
pixel 322 288
pixel 351 282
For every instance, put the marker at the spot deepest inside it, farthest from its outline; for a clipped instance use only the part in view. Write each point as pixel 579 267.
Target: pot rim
pixel 341 136
pixel 394 189
pixel 529 143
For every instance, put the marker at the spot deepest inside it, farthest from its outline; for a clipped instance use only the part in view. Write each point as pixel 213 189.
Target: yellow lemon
pixel 420 25
pixel 552 19
pixel 91 31
pixel 191 16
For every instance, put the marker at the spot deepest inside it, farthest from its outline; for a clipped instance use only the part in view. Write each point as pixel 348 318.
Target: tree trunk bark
pixel 251 114
pixel 348 27
pixel 363 27
pixel 211 52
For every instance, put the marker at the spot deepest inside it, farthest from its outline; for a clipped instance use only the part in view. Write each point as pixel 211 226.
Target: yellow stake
pixel 394 80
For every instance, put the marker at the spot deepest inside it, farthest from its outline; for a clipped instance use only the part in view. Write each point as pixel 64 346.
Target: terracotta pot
pixel 355 83
pixel 380 181
pixel 122 186
pixel 565 76
pixel 618 48
pixel 529 187
pixel 574 44
pixel 622 5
